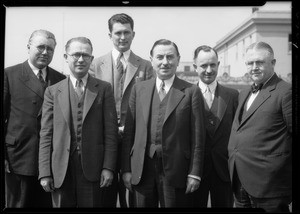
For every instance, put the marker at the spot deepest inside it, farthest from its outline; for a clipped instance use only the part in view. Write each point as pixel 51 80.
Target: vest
pixel 76 105
pixel 157 116
pixel 211 116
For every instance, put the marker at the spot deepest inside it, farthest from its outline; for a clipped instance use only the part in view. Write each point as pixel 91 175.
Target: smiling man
pixel 24 86
pixel 220 107
pixel 260 145
pixel 122 69
pixel 164 136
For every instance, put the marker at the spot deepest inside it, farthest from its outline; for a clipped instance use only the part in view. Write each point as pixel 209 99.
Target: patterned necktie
pixel 162 92
pixel 208 97
pixel 255 88
pixel 40 76
pixel 79 88
pixel 119 65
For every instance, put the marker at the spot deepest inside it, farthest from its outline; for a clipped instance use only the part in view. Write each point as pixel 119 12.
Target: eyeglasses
pixel 42 48
pixel 76 56
pixel 257 63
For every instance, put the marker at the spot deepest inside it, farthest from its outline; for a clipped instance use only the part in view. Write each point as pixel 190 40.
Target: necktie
pixel 255 88
pixel 79 88
pixel 119 66
pixel 162 92
pixel 208 97
pixel 40 76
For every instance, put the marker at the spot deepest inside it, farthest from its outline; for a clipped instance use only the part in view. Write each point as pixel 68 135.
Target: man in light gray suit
pixel 122 68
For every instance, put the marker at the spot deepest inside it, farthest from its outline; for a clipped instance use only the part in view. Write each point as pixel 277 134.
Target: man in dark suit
pixel 164 136
pixel 220 106
pixel 78 145
pixel 122 72
pixel 260 145
pixel 24 86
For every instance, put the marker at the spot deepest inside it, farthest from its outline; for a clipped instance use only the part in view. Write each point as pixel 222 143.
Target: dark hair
pixel 83 40
pixel 164 42
pixel 120 18
pixel 204 48
pixel 44 33
pixel 261 45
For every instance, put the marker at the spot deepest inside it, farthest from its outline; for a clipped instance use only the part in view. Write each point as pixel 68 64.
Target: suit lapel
pixel 176 95
pixel 31 81
pixel 63 98
pixel 90 95
pixel 223 99
pixel 263 95
pixel 132 67
pixel 106 67
pixel 146 98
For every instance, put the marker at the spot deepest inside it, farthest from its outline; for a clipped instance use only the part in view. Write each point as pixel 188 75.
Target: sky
pixel 188 27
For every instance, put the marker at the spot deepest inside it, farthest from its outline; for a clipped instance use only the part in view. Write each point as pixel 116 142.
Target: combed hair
pixel 164 42
pixel 204 48
pixel 120 18
pixel 81 39
pixel 44 33
pixel 261 45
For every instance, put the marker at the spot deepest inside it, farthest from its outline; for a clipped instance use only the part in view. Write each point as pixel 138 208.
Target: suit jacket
pixel 183 132
pixel 137 70
pixel 23 97
pixel 260 146
pixel 99 131
pixel 216 153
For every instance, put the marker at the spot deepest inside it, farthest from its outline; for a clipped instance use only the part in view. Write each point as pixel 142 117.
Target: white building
pixel 265 24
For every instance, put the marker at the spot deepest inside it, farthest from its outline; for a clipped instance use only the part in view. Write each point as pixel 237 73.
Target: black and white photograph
pixel 119 107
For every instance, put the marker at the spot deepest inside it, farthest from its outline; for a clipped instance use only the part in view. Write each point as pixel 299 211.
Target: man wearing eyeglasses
pixel 260 144
pixel 24 86
pixel 78 145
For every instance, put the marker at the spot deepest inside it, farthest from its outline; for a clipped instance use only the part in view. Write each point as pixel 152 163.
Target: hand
pixel 106 178
pixel 127 180
pixel 192 185
pixel 6 166
pixel 47 184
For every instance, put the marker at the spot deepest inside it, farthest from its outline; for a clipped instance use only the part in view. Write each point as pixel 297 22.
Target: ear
pixel 109 35
pixel 133 34
pixel 273 62
pixel 195 66
pixel 66 57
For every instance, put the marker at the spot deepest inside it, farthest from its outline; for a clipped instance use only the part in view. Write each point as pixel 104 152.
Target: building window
pixel 187 68
pixel 290 44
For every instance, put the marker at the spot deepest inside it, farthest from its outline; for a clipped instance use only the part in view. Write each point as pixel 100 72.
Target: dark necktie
pixel 255 88
pixel 40 76
pixel 79 88
pixel 162 92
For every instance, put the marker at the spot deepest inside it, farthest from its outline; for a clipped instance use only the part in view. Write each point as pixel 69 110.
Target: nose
pixel 45 51
pixel 165 60
pixel 80 59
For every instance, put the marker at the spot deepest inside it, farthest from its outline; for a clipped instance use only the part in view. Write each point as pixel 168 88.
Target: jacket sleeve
pixel 46 133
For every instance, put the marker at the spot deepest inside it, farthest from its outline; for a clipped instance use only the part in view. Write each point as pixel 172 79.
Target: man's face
pixel 207 65
pixel 79 67
pixel 40 51
pixel 164 61
pixel 260 65
pixel 121 36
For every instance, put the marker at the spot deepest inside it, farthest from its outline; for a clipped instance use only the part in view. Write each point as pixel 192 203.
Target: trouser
pixel 25 191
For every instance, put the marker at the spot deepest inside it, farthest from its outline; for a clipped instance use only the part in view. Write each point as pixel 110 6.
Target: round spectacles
pixel 76 56
pixel 42 48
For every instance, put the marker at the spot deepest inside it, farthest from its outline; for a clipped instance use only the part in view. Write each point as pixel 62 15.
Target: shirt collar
pixel 84 79
pixel 36 70
pixel 212 86
pixel 168 83
pixel 115 54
